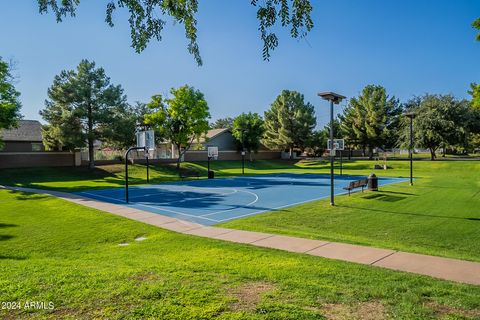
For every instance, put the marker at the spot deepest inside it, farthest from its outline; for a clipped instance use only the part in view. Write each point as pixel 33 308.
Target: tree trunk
pixel 179 157
pixel 91 160
pixel 370 153
pixel 290 153
pixel 432 154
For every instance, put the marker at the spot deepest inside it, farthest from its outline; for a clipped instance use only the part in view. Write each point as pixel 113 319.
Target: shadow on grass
pixel 109 176
pixel 7 225
pixel 4 257
pixel 408 213
pixel 384 197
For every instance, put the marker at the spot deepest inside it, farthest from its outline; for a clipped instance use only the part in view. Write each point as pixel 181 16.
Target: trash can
pixel 372 182
pixel 211 174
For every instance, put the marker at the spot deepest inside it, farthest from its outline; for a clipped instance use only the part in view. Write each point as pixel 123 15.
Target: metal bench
pixel 362 183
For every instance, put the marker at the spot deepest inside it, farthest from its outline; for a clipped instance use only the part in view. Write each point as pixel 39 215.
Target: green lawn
pixel 439 215
pixel 55 251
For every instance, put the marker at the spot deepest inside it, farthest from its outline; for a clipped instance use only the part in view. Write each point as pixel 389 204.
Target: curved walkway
pixel 438 267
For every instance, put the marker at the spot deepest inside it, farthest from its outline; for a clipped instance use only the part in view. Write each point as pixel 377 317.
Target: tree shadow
pixel 408 213
pixel 384 197
pixel 7 225
pixel 9 257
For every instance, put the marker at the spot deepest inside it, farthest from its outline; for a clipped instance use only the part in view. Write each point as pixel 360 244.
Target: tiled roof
pixel 28 130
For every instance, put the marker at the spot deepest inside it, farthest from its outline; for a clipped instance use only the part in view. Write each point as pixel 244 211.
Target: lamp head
pixel 332 96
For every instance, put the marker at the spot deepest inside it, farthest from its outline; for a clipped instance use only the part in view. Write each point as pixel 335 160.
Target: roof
pixel 28 130
pixel 212 133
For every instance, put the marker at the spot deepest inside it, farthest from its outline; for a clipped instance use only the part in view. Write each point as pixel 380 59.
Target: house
pixel 221 138
pixel 27 137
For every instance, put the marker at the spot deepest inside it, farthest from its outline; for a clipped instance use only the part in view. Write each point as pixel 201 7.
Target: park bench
pixel 189 174
pixel 362 183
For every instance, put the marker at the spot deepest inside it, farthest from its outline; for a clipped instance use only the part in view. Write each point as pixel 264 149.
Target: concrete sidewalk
pixel 438 267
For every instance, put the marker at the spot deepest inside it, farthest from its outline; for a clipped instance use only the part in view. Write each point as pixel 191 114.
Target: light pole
pixel 334 98
pixel 243 152
pixel 411 116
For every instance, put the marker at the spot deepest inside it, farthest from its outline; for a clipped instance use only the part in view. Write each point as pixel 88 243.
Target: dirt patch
pixel 248 295
pixel 145 277
pixel 370 310
pixel 441 310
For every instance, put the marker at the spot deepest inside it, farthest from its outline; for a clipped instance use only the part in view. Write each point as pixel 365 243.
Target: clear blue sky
pixel 409 46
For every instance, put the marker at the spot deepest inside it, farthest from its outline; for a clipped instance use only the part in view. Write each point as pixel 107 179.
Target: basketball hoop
pixel 212 153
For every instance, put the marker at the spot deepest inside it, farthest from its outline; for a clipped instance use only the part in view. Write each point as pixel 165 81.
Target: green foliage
pixel 372 119
pixel 475 93
pixel 439 120
pixel 180 119
pixel 222 123
pixel 119 132
pixel 146 24
pixel 248 130
pixel 318 142
pixel 9 99
pixel 290 122
pixel 82 103
pixel 476 25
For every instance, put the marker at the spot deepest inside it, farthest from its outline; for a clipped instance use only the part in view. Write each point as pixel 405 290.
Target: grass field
pixel 55 251
pixel 439 215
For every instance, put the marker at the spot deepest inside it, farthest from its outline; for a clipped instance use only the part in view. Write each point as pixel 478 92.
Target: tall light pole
pixel 243 152
pixel 334 98
pixel 411 116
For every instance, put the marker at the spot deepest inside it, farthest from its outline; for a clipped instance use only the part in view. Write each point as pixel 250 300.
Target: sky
pixel 410 47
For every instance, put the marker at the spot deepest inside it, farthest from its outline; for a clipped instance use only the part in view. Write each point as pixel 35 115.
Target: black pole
pixel 148 165
pixel 126 175
pixel 332 196
pixel 411 150
pixel 243 154
pixel 341 162
pixel 126 169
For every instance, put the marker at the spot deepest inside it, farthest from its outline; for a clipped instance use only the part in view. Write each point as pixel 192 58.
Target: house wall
pixel 231 155
pixel 36 159
pixel 224 141
pixel 22 146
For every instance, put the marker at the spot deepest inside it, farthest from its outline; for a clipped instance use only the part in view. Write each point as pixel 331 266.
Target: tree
pixel 222 123
pixel 119 132
pixel 9 99
pixel 318 142
pixel 180 119
pixel 81 104
pixel 372 119
pixel 289 123
pixel 248 130
pixel 476 25
pixel 475 93
pixel 148 18
pixel 439 121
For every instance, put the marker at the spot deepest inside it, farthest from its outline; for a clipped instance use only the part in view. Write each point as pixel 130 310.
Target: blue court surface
pixel 218 200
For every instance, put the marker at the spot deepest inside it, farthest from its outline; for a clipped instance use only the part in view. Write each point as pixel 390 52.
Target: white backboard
pixel 338 144
pixel 146 139
pixel 212 152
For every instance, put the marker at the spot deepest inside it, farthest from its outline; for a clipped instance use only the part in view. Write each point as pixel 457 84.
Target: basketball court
pixel 212 201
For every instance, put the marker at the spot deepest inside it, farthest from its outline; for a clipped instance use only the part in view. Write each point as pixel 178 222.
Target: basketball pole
pixel 126 168
pixel 332 157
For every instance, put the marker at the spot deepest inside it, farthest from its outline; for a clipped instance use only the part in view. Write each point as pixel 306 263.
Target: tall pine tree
pixel 289 123
pixel 372 119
